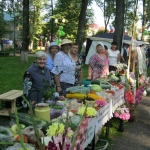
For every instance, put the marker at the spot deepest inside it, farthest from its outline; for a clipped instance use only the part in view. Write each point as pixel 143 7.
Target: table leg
pixel 93 143
pixel 13 105
pixel 107 128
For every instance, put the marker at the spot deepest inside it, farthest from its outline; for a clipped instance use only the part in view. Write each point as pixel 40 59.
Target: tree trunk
pixel 81 24
pixel 26 38
pixel 143 20
pixel 119 23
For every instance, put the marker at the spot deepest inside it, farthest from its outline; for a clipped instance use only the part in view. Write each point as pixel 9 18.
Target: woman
pixel 113 56
pixel 98 64
pixel 36 76
pixel 64 68
pixel 52 51
pixel 78 60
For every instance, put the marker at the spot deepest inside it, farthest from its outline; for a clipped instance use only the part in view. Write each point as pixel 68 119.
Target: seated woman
pixel 98 64
pixel 52 51
pixel 35 77
pixel 64 68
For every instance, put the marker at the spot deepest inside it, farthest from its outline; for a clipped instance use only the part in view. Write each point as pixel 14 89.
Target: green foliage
pixel 48 91
pixel 70 11
pixel 3 26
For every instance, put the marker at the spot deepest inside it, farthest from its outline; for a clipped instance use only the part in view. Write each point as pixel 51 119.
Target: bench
pixel 10 96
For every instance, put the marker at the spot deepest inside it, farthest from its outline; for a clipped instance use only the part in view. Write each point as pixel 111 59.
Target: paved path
pixel 136 135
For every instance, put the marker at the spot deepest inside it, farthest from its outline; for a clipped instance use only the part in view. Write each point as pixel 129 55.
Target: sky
pixel 98 15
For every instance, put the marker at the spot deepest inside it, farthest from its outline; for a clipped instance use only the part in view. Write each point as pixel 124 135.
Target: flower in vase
pixel 55 128
pixel 101 103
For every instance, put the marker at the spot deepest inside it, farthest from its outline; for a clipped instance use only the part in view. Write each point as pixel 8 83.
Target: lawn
pixel 12 70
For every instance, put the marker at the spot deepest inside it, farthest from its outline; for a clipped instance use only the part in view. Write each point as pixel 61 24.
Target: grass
pixel 12 71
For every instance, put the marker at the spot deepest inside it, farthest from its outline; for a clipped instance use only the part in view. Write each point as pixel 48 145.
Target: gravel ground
pixel 136 136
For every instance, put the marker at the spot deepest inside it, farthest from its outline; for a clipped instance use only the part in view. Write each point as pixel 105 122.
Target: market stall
pixel 85 110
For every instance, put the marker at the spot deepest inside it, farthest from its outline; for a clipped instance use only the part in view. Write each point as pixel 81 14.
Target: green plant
pixel 48 90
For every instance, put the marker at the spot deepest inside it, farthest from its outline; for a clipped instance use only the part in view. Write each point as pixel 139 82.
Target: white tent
pixel 106 39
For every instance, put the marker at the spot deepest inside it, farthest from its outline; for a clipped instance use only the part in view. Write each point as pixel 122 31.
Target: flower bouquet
pixel 121 67
pixel 122 113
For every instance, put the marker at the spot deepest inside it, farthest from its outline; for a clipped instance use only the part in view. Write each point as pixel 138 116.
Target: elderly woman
pixel 35 78
pixel 52 51
pixel 113 56
pixel 64 68
pixel 98 64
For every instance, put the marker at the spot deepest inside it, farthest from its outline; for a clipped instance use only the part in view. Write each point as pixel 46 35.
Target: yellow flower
pixel 55 128
pixel 90 112
pixel 81 111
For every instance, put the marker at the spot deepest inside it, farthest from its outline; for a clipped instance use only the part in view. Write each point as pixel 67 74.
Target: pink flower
pixel 101 103
pixel 116 114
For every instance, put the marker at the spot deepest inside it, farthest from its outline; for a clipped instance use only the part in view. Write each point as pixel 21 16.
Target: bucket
pixel 42 111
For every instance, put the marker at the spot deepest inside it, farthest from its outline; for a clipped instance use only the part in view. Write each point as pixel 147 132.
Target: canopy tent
pixel 106 39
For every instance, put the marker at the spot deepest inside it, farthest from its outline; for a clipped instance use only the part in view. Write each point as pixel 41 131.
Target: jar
pixel 42 111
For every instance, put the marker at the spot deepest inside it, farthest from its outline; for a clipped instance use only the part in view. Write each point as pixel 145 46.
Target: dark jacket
pixel 34 81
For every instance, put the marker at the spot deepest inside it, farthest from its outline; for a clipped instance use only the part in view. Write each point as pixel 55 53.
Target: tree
pixel 108 9
pixel 119 22
pixel 143 19
pixel 81 24
pixel 26 32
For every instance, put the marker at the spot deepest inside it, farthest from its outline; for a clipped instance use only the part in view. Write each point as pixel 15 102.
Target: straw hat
pixel 65 41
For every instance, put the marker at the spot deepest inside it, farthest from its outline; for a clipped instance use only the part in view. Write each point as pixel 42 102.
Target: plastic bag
pixel 18 146
pixel 30 133
pixel 55 113
pixel 5 134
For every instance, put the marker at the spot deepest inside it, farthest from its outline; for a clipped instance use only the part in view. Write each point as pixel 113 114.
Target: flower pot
pixel 132 116
pixel 121 126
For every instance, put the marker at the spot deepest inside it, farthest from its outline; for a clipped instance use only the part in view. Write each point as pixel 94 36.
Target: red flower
pixel 129 97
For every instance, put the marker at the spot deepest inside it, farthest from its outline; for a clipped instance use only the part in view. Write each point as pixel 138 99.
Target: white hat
pixel 40 54
pixel 65 41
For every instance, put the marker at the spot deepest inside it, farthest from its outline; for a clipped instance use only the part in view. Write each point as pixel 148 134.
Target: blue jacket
pixel 34 81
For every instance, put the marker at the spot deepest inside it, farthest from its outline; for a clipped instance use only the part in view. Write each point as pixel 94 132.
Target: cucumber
pixel 95 82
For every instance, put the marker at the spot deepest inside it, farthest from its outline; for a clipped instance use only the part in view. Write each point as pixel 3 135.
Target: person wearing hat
pixel 35 78
pixel 52 51
pixel 64 68
pixel 98 64
pixel 113 56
